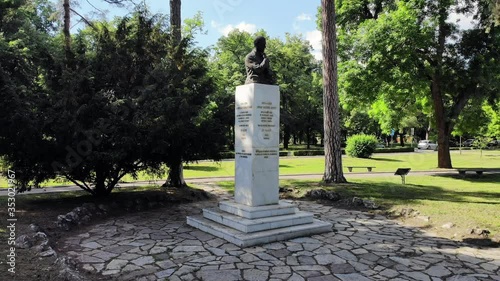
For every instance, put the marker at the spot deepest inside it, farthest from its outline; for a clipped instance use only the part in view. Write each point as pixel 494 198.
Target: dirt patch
pixel 43 210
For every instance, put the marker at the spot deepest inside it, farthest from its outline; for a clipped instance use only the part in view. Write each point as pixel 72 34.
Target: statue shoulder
pixel 250 56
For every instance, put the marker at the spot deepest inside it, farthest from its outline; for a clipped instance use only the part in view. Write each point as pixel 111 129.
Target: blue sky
pixel 276 17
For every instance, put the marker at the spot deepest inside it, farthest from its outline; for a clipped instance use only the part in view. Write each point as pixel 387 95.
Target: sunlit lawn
pixel 467 202
pixel 422 161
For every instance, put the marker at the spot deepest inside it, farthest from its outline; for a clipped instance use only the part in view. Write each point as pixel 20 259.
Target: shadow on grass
pixel 390 193
pixel 202 168
pixel 286 166
pixel 473 178
pixel 385 159
pixel 65 201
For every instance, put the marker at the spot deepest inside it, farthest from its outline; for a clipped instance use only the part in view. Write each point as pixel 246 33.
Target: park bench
pixel 367 167
pixel 478 171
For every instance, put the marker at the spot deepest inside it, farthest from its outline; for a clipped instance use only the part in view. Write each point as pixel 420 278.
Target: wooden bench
pixel 463 171
pixel 367 167
pixel 478 171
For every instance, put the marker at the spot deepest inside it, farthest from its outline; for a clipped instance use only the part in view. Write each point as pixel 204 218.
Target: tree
pixel 93 126
pixel 388 43
pixel 176 170
pixel 184 124
pixel 175 19
pixel 333 152
pixel 226 67
pixel 67 27
pixel 24 63
pixel 294 65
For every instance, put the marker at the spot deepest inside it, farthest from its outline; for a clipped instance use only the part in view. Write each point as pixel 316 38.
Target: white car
pixel 427 144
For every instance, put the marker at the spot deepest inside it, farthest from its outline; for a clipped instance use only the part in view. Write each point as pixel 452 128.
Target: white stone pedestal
pixel 257 123
pixel 256 216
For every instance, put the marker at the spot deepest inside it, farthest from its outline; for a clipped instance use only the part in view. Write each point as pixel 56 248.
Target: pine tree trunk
pixel 333 151
pixel 175 20
pixel 67 26
pixel 176 171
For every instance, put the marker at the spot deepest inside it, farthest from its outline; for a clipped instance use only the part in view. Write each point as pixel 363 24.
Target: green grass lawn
pixel 315 165
pixel 467 202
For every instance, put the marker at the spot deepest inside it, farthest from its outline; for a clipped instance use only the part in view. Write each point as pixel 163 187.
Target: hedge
pixel 394 149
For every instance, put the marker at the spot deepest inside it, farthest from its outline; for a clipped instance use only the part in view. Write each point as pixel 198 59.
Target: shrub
pixel 394 149
pixel 283 153
pixel 308 153
pixel 361 146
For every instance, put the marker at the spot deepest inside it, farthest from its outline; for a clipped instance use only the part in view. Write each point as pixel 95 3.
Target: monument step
pixel 280 209
pixel 257 238
pixel 254 225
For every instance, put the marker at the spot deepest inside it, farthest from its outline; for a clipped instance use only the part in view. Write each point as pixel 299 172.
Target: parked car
pixel 427 144
pixel 468 142
pixel 493 143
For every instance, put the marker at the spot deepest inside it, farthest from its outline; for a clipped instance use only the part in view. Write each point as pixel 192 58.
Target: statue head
pixel 260 43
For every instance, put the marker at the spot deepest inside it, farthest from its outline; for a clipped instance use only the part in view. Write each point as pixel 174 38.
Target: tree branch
pixel 84 19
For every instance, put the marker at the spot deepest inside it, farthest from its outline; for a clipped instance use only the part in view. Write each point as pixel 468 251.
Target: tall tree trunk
pixel 286 136
pixel 333 151
pixel 176 171
pixel 66 28
pixel 444 158
pixel 175 20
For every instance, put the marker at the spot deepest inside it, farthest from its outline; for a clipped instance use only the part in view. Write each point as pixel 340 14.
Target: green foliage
pixel 308 152
pixel 126 100
pixel 385 44
pixel 361 146
pixel 394 149
pixel 25 28
pixel 297 75
pixel 481 142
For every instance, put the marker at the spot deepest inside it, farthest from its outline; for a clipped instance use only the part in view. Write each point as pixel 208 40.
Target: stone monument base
pixel 248 226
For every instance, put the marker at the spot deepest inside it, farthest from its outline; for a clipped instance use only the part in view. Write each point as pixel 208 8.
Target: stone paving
pixel 159 245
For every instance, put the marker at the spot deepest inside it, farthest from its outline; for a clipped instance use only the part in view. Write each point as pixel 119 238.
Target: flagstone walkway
pixel 158 245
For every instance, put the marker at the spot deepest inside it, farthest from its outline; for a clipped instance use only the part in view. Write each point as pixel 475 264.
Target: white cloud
pixel 304 17
pixel 315 39
pixel 242 26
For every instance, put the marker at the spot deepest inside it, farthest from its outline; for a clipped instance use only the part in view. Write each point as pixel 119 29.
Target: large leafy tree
pixel 332 140
pixel 227 70
pixel 410 50
pixel 184 124
pixel 25 47
pixel 92 114
pixel 294 66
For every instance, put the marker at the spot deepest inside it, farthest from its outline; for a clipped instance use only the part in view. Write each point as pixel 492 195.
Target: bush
pixel 394 149
pixel 361 146
pixel 283 153
pixel 227 155
pixel 308 153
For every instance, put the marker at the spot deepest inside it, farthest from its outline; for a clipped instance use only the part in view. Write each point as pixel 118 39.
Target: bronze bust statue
pixel 257 64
